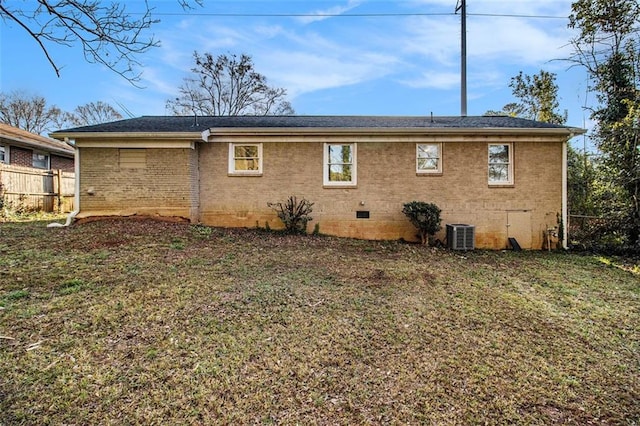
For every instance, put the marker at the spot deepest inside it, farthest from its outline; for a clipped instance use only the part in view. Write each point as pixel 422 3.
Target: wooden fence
pixel 25 189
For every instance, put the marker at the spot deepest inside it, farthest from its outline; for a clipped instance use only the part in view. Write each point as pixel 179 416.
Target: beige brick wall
pixel 386 180
pixel 164 187
pixel 194 183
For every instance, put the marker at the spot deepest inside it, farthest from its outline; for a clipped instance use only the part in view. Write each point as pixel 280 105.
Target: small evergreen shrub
pixel 294 214
pixel 425 217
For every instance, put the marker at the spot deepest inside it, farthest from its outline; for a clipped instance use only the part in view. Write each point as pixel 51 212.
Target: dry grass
pixel 142 322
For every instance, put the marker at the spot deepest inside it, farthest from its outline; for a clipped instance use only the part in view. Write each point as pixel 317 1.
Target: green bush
pixel 294 214
pixel 425 217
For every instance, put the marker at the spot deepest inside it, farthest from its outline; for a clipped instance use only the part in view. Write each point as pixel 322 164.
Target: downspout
pixel 76 196
pixel 565 213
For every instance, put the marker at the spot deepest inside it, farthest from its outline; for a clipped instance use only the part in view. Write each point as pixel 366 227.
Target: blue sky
pixel 370 58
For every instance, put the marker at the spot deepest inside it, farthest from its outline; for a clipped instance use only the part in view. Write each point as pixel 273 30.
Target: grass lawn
pixel 143 322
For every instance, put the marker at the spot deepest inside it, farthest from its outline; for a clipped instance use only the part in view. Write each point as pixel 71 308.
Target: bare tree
pixel 28 112
pixel 92 113
pixel 228 85
pixel 108 34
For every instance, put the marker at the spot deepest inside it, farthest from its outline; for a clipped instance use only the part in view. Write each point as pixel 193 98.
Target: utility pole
pixel 461 7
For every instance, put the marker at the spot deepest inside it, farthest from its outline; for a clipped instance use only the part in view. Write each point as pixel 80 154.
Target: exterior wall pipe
pixel 76 196
pixel 565 204
pixel 463 71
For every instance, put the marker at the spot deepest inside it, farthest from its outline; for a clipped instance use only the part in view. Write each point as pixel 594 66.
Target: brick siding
pixel 62 163
pixel 21 156
pixel 163 187
pixel 175 180
pixel 386 180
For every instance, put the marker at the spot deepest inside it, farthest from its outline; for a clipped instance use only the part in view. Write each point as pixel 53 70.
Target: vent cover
pixel 461 236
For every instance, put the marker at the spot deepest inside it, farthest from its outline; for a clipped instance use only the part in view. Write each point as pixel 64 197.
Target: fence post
pixel 58 190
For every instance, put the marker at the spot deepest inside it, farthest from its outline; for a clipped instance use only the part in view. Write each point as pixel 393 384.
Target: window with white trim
pixel 339 164
pixel 428 158
pixel 245 159
pixel 3 154
pixel 500 164
pixel 40 160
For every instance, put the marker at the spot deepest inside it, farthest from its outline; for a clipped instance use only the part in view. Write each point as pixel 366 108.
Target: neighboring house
pixel 503 175
pixel 21 148
pixel 36 172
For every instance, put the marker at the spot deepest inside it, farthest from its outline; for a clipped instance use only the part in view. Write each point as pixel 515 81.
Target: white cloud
pixel 419 51
pixel 321 15
pixel 435 80
pixel 431 38
pixel 307 71
pixel 515 41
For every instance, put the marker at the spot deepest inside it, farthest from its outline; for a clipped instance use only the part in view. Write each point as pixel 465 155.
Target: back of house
pixel 505 177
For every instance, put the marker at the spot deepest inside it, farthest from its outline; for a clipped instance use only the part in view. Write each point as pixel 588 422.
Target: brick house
pixel 21 148
pixel 505 176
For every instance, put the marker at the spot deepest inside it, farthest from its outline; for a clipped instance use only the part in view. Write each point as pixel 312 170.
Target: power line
pixel 301 15
pixel 501 15
pixel 349 15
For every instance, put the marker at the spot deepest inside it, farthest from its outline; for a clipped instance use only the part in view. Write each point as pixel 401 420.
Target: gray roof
pixel 149 124
pixel 14 136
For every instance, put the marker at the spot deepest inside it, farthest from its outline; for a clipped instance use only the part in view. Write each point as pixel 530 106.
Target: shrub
pixel 294 214
pixel 425 217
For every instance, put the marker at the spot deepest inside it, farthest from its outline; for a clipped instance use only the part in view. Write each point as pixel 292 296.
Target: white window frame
pixel 509 165
pixel 47 157
pixel 326 166
pixel 5 154
pixel 232 162
pixel 438 169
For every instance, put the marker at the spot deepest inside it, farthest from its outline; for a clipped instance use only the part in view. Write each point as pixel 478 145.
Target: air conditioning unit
pixel 461 236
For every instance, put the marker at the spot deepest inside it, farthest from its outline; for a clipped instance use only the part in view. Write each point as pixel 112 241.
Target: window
pixel 133 158
pixel 500 164
pixel 245 159
pixel 428 158
pixel 339 164
pixel 3 155
pixel 40 160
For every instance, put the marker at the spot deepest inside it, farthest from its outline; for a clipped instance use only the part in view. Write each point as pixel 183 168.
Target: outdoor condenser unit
pixel 461 236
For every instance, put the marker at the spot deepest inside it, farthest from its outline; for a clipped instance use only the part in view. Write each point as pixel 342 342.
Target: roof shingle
pixel 148 124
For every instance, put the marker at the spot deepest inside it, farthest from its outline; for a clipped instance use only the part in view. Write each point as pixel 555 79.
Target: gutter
pixel 288 131
pixel 191 136
pixel 565 203
pixel 76 197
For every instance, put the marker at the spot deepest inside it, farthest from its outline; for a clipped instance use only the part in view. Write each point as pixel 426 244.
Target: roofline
pixel 325 131
pixel 38 147
pixel 127 135
pixel 230 131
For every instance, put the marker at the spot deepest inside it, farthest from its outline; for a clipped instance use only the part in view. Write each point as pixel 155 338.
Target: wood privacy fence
pixel 26 189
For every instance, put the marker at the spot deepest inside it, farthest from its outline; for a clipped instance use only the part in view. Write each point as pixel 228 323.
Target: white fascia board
pixel 132 140
pixel 128 137
pixel 388 135
pixel 217 133
pixel 120 143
